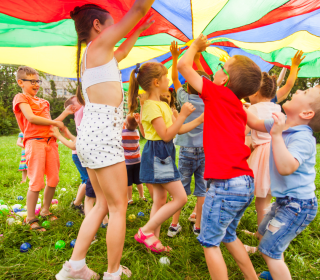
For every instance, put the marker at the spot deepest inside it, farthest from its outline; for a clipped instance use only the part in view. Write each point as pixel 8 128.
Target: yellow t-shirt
pixel 152 110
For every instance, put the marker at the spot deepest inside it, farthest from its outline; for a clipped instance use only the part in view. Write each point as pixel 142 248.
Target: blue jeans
pixel 224 205
pixel 191 161
pixel 289 216
pixel 82 170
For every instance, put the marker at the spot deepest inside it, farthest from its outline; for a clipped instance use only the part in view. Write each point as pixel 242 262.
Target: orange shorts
pixel 42 158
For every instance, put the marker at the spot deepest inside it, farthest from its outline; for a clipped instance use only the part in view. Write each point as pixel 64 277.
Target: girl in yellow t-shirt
pixel 158 157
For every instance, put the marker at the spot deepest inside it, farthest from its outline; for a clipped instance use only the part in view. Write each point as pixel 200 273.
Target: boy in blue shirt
pixel 292 173
pixel 191 155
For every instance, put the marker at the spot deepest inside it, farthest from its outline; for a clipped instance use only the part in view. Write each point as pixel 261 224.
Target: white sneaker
pixel 124 270
pixel 173 231
pixel 68 273
pixel 195 231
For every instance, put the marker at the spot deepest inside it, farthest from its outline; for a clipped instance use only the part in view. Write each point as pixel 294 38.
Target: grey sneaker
pixel 79 208
pixel 173 231
pixel 196 231
pixel 68 273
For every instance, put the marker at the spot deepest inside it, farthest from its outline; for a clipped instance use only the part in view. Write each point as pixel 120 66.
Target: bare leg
pixel 215 262
pixel 241 257
pixel 140 190
pixel 150 189
pixel 179 199
pixel 88 204
pixel 160 195
pixel 175 217
pixel 47 198
pixel 129 193
pixel 262 203
pixel 24 176
pixel 110 186
pixel 80 194
pixel 277 268
pixel 32 198
pixel 106 219
pixel 200 201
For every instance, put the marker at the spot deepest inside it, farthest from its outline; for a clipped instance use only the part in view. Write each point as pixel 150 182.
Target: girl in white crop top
pixel 99 135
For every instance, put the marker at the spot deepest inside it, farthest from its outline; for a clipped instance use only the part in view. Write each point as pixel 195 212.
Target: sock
pixel 196 227
pixel 174 225
pixel 117 273
pixel 77 265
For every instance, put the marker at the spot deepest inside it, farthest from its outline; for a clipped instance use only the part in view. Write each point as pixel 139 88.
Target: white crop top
pixel 108 72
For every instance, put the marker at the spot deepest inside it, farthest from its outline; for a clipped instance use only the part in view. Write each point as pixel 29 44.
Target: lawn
pixel 43 261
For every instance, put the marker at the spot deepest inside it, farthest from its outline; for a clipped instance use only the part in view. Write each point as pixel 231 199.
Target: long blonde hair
pixel 145 75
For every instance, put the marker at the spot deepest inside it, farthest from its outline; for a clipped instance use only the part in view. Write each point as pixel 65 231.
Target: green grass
pixel 43 261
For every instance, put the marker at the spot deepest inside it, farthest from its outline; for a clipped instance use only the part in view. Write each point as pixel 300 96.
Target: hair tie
pixel 137 68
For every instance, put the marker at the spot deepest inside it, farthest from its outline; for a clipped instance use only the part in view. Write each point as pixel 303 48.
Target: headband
pixel 137 68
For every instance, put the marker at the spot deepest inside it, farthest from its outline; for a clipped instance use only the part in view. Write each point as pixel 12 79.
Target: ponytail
pixel 133 92
pixel 269 85
pixel 78 91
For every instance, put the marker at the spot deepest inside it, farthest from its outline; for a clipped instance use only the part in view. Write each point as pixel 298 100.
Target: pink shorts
pixel 42 158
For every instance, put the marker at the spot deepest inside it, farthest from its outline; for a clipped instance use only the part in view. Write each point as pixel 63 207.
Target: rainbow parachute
pixel 42 35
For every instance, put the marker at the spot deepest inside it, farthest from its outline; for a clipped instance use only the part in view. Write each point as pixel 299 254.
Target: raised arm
pixel 281 76
pixel 32 118
pixel 67 111
pixel 254 122
pixel 286 164
pixel 197 61
pixel 116 32
pixel 284 91
pixel 138 120
pixel 167 134
pixel 175 52
pixel 124 49
pixel 191 125
pixel 186 62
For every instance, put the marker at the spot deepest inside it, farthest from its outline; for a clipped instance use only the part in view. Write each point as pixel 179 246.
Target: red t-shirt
pixel 39 107
pixel 223 133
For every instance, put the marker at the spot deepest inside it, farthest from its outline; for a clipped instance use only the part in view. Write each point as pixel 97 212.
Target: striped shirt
pixel 130 144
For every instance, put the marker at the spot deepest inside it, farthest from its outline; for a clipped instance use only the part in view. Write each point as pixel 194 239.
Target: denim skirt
pixel 158 163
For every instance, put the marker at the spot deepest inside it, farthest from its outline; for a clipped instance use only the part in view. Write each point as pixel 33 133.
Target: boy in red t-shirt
pixel 42 157
pixel 226 169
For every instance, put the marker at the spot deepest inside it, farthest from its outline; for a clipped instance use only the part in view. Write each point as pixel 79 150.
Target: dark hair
pixel 83 19
pixel 131 123
pixel 245 76
pixel 191 90
pixel 269 86
pixel 173 99
pixel 146 73
pixel 69 101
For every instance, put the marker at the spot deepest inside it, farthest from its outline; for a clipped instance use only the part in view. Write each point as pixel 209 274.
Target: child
pixel 22 166
pixel 42 156
pixel 158 156
pixel 90 196
pixel 292 174
pixel 78 114
pixel 130 144
pixel 191 155
pixel 99 135
pixel 171 101
pixel 230 178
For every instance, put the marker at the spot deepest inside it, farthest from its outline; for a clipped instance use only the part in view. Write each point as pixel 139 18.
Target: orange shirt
pixel 39 107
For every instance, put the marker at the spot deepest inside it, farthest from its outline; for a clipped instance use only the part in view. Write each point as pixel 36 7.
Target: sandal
pixel 143 199
pixel 153 246
pixel 250 249
pixel 192 217
pixel 130 202
pixel 124 270
pixel 33 221
pixel 265 275
pixel 50 217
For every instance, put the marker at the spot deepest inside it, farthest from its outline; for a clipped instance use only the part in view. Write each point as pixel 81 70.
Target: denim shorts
pixel 191 161
pixel 82 170
pixel 291 216
pixel 158 163
pixel 224 205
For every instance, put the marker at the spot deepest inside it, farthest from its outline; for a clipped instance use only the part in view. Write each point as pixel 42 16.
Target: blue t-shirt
pixel 193 138
pixel 302 146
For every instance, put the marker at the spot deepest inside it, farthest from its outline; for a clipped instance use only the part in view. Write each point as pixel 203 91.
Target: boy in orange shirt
pixel 42 157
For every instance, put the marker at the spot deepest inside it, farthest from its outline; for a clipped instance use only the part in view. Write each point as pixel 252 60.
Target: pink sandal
pixel 152 247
